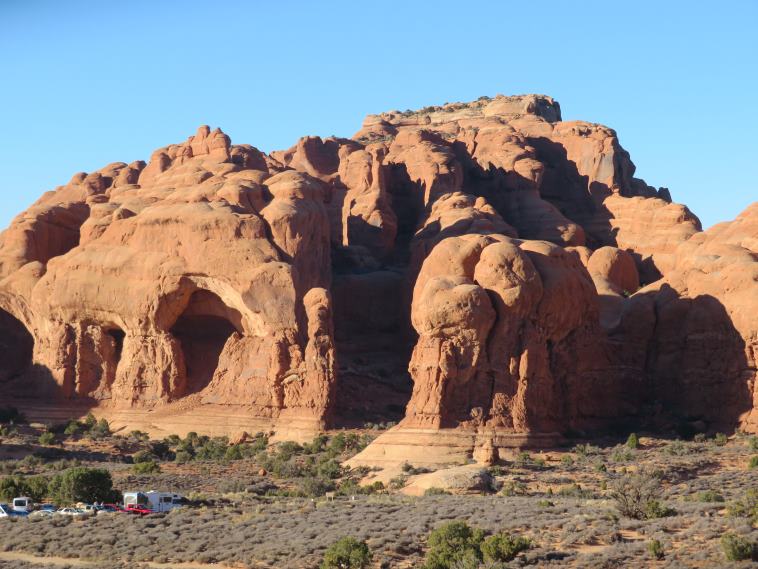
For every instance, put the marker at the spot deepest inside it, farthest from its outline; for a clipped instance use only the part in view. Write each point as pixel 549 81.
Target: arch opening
pixel 16 346
pixel 202 330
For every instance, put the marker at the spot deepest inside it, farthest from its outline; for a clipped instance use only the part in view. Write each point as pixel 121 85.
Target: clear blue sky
pixel 88 83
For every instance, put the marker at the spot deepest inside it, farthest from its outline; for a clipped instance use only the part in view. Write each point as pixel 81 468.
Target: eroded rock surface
pixel 483 273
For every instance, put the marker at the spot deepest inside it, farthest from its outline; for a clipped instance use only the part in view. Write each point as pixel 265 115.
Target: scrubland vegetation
pixel 634 502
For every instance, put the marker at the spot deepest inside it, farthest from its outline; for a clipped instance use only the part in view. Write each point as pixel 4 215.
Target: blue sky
pixel 88 83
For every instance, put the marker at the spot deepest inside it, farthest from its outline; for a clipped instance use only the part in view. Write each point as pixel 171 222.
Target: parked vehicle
pixel 138 510
pixel 73 512
pixel 109 509
pixel 23 504
pixel 42 514
pixel 7 511
pixel 155 501
pixel 47 508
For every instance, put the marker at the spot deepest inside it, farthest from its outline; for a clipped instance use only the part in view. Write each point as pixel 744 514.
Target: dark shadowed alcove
pixel 16 346
pixel 202 330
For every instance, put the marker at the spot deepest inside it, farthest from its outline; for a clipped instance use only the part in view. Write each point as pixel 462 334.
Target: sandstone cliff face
pixel 483 272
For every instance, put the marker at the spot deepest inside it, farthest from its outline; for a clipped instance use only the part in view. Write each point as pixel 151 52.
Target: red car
pixel 138 510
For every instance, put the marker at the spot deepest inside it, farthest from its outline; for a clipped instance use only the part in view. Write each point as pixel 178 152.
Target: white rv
pixel 152 500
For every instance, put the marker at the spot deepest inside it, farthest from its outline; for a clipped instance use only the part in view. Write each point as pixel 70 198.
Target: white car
pixel 74 512
pixel 41 514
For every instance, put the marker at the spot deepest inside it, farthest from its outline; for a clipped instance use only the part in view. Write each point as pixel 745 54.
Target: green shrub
pixel 89 421
pixel 514 488
pixel 433 491
pixel 503 547
pixel 655 548
pixel 142 456
pixel 347 553
pixel 655 509
pixel 72 428
pixel 453 543
pixel 752 443
pixel 314 487
pixel 753 462
pixel 737 548
pixel 83 485
pixel 47 438
pixel 100 429
pixel 633 442
pixel 720 439
pixel 146 467
pixel 35 487
pixel 710 496
pixel 746 507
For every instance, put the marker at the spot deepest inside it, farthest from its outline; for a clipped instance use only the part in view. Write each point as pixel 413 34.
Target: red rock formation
pixel 472 270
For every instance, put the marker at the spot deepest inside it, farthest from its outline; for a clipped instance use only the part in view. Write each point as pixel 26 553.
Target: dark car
pixel 110 509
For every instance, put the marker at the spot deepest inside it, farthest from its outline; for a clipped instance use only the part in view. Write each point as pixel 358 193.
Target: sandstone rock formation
pixel 485 273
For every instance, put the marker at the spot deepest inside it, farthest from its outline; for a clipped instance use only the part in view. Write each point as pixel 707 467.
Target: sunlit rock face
pixel 483 273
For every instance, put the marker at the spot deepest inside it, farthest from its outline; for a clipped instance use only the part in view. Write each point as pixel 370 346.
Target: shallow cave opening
pixel 16 346
pixel 202 330
pixel 117 335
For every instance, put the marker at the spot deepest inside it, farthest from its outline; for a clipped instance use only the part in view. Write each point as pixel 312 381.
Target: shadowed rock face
pixel 472 271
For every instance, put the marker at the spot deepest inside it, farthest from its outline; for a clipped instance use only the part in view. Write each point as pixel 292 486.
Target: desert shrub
pixel 622 455
pixel 633 442
pixel 738 548
pixel 720 439
pixel 72 428
pixel 700 438
pixel 317 445
pixel 142 456
pixel 710 496
pixel 138 436
pixel 746 507
pixel 100 429
pixel 83 485
pixel 654 509
pixel 585 450
pixel 46 438
pixel 452 543
pixel 503 547
pixel 146 467
pixel 313 487
pixel 433 491
pixel 575 491
pixel 182 456
pixel 634 492
pixel 753 462
pixel 514 488
pixel 329 469
pixel 677 448
pixel 398 482
pixel 545 503
pixel 567 460
pixel 233 452
pixel 7 430
pixel 655 548
pixel 347 553
pixel 35 487
pixel 211 449
pixel 11 415
pixel 752 443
